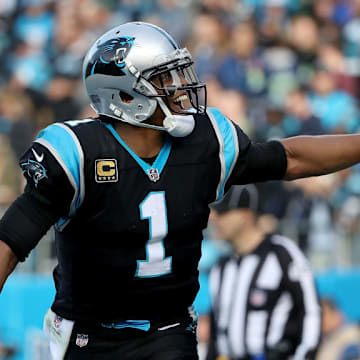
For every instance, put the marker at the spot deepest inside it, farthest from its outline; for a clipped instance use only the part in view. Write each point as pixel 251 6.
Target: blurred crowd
pixel 276 67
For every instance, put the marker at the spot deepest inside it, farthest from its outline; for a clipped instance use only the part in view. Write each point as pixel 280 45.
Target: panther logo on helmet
pixel 109 59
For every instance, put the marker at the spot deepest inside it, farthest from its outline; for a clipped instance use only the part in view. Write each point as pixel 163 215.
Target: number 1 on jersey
pixel 153 208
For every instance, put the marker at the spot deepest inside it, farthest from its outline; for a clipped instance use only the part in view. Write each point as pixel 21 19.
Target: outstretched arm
pixel 8 261
pixel 319 155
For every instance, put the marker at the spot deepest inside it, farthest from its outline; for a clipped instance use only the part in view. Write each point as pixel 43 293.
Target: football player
pixel 129 194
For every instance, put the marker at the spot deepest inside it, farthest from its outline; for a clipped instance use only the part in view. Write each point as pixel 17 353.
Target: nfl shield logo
pixel 57 321
pixel 82 340
pixel 153 174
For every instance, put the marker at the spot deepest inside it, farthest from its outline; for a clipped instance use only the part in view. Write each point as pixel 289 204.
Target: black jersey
pixel 129 236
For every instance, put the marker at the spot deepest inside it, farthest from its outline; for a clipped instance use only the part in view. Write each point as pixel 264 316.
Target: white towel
pixel 59 331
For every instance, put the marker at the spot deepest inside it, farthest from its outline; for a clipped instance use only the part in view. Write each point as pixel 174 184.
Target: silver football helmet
pixel 136 67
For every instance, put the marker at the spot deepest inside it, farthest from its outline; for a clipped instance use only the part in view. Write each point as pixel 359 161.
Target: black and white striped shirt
pixel 264 303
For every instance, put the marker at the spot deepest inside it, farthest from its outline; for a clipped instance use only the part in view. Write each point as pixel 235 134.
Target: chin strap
pixel 175 125
pixel 179 125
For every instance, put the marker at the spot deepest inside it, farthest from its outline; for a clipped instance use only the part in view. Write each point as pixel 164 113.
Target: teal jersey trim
pixel 229 146
pixel 135 324
pixel 160 161
pixel 63 144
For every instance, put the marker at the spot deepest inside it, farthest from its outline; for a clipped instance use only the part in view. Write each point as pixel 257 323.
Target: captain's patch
pixel 106 170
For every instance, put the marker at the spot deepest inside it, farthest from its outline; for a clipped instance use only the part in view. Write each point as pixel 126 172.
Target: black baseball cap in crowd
pixel 238 197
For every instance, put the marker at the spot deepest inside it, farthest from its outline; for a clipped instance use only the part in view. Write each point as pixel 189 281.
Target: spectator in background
pixel 8 10
pixel 228 10
pixel 28 68
pixel 331 58
pixel 341 339
pixel 272 21
pixel 10 181
pixel 272 128
pixel 351 40
pixel 176 18
pixel 31 34
pixel 16 109
pixel 281 69
pixel 303 36
pixel 132 10
pixel 280 60
pixel 243 68
pixel 235 107
pixel 263 11
pixel 69 45
pixel 264 301
pixel 332 11
pixel 299 119
pixel 328 14
pixel 208 44
pixel 335 108
pixel 35 24
pixel 95 16
pixel 61 97
pixel 310 213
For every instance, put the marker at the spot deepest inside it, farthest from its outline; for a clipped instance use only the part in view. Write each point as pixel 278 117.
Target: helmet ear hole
pixel 125 97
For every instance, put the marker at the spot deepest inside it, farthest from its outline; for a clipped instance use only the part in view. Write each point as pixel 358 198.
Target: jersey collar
pixel 152 171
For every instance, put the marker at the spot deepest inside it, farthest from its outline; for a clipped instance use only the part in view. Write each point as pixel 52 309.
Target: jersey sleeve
pixel 259 162
pixel 231 143
pixel 241 160
pixel 54 168
pixel 35 215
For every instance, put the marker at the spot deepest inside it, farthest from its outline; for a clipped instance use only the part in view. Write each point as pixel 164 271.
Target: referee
pixel 264 301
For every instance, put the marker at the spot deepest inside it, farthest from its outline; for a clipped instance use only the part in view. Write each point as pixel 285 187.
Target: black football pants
pixel 174 343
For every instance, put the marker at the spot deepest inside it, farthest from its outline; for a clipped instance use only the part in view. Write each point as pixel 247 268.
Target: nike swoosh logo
pixel 168 326
pixel 38 157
